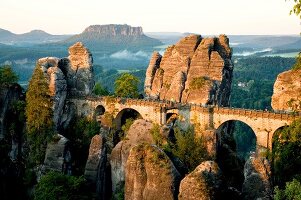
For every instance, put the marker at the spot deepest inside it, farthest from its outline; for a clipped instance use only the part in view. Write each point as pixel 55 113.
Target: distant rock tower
pixel 195 70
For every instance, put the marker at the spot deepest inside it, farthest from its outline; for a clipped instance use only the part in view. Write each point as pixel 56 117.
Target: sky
pixel 232 17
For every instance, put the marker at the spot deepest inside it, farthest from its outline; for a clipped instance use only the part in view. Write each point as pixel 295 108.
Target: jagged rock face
pixel 203 183
pixel 257 184
pixel 195 70
pixel 151 70
pixel 72 76
pixel 57 85
pixel 150 174
pixel 57 156
pixel 287 91
pixel 138 133
pixel 80 72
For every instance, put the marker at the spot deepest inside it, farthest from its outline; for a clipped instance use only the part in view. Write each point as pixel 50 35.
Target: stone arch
pixel 171 117
pixel 275 135
pixel 229 125
pixel 99 110
pixel 124 114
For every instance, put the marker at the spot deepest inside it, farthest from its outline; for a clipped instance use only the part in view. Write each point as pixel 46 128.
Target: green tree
pixel 292 191
pixel 286 153
pixel 7 75
pixel 99 90
pixel 39 115
pixel 126 85
pixel 55 186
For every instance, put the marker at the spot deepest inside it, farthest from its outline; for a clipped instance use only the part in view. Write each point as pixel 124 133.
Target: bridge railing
pixel 283 115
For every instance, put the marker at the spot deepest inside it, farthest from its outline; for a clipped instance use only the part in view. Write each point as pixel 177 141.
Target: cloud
pixel 249 53
pixel 128 55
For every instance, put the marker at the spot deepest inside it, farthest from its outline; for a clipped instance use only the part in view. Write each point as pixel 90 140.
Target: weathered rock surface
pixel 195 70
pixel 97 171
pixel 257 184
pixel 68 76
pixel 150 174
pixel 138 133
pixel 57 155
pixel 287 91
pixel 203 183
pixel 80 73
pixel 96 153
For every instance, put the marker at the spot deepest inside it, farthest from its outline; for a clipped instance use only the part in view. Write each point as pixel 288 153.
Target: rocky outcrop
pixel 150 174
pixel 287 91
pixel 97 171
pixel 72 76
pixel 96 153
pixel 203 183
pixel 257 184
pixel 57 157
pixel 138 133
pixel 195 70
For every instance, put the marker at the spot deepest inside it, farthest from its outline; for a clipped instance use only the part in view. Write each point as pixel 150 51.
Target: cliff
pixel 287 91
pixel 195 70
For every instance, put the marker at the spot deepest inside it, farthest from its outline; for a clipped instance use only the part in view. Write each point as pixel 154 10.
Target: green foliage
pixel 296 8
pixel 80 132
pixel 128 123
pixel 297 65
pixel 292 191
pixel 198 82
pixel 127 86
pixel 7 75
pixel 55 186
pixel 155 131
pixel 99 90
pixel 286 153
pixel 190 149
pixel 39 115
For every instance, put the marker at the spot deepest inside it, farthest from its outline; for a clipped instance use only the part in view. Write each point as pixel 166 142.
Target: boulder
pixel 257 184
pixel 150 174
pixel 287 90
pixel 202 183
pixel 138 133
pixel 195 70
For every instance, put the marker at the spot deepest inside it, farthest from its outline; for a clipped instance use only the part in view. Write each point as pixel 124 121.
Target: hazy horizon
pixel 232 17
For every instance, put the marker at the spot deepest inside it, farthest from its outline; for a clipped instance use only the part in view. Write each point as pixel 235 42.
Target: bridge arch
pixel 243 134
pixel 124 114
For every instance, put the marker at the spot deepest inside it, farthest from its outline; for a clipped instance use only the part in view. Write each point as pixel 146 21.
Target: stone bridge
pixel 208 120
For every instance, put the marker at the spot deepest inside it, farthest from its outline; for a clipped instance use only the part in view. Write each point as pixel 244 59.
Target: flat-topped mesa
pixel 287 91
pixel 114 30
pixel 195 70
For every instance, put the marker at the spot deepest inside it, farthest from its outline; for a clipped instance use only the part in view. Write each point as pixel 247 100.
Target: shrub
pixel 292 191
pixel 55 186
pixel 7 75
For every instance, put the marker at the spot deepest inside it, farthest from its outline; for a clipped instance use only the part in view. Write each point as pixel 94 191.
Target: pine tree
pixel 39 114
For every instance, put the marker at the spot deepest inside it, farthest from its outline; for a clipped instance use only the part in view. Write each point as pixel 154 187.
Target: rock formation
pixel 97 171
pixel 150 174
pixel 287 91
pixel 72 76
pixel 203 183
pixel 57 157
pixel 195 70
pixel 138 133
pixel 257 184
